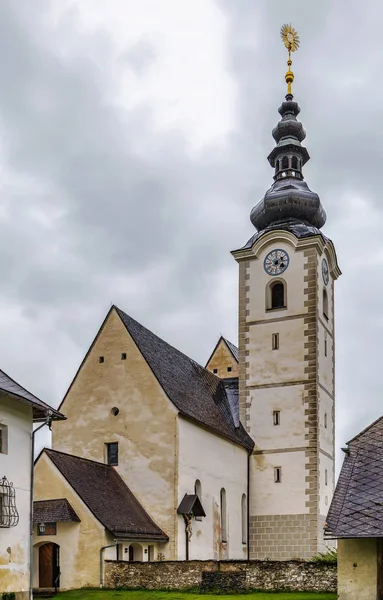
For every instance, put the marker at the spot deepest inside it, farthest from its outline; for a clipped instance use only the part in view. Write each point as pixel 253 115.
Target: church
pixel 160 458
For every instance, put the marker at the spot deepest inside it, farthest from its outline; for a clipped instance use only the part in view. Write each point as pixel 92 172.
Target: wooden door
pixel 131 553
pixel 46 565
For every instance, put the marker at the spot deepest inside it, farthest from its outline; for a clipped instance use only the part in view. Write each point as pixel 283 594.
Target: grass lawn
pixel 154 595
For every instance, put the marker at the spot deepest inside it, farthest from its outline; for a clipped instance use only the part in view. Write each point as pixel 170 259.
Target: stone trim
pixel 277 451
pixel 243 331
pixel 325 325
pixel 326 454
pixel 278 319
pixel 322 387
pixel 263 386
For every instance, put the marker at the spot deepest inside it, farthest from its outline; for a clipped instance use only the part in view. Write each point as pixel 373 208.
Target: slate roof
pixel 197 394
pixel 12 388
pixel 53 511
pixel 232 392
pixel 107 496
pixel 357 507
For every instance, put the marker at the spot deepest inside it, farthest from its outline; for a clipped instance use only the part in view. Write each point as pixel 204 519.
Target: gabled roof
pixel 197 394
pixel 357 507
pixel 54 511
pixel 11 388
pixel 232 348
pixel 107 496
pixel 191 505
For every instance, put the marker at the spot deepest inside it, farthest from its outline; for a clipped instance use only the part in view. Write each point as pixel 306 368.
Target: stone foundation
pixel 283 537
pixel 266 575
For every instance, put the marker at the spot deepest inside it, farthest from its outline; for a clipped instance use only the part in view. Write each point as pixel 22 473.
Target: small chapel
pixel 161 458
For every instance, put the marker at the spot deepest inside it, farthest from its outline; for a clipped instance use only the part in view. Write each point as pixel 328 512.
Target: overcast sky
pixel 133 145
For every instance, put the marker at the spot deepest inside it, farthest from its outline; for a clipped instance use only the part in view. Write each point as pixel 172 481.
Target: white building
pixel 18 411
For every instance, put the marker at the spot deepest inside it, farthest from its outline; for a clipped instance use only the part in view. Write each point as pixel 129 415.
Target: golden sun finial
pixel 290 39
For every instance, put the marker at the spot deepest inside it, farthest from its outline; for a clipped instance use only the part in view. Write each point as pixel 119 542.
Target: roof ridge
pixel 358 435
pixel 192 360
pixel 96 462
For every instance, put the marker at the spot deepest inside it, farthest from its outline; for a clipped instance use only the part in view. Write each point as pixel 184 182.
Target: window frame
pixel 108 446
pixel 223 515
pixel 275 341
pixel 277 474
pixel 3 438
pixel 276 418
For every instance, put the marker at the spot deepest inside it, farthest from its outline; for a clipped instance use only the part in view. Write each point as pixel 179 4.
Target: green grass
pixel 155 595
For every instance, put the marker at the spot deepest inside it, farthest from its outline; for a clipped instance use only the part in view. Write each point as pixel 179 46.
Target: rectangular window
pixel 277 474
pixel 215 370
pixel 325 476
pixel 325 420
pixel 123 356
pixel 112 454
pixel 276 417
pixel 3 439
pixel 229 369
pixel 275 341
pixel 100 359
pixel 325 347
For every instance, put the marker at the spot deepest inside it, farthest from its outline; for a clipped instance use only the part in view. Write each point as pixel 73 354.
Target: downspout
pixel 248 506
pixel 101 555
pixel 48 422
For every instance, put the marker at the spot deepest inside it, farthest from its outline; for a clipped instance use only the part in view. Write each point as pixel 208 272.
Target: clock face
pixel 276 262
pixel 325 272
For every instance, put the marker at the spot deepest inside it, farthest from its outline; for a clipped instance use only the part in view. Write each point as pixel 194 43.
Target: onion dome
pixel 289 200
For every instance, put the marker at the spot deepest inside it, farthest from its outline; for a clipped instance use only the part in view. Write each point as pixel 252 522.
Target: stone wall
pixel 262 575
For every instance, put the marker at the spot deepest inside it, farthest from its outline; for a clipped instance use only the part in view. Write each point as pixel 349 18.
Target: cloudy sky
pixel 133 144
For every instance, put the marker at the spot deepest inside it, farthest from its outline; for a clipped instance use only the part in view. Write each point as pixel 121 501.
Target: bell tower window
pixel 276 295
pixel 294 162
pixel 285 162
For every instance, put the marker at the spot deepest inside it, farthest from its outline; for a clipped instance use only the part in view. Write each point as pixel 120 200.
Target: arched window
pixel 285 162
pixel 244 519
pixel 223 515
pixel 198 492
pixel 277 295
pixel 325 304
pixel 294 162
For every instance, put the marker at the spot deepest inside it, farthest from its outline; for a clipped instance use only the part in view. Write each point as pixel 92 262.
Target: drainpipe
pixel 48 422
pixel 101 555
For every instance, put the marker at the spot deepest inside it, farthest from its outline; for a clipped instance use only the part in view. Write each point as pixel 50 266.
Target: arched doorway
pixel 136 552
pixel 49 565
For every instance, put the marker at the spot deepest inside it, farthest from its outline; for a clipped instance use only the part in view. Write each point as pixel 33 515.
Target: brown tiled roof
pixel 53 511
pixel 107 496
pixel 196 392
pixel 357 507
pixel 12 388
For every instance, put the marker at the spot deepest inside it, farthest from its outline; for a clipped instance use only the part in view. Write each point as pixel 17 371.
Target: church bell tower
pixel 286 351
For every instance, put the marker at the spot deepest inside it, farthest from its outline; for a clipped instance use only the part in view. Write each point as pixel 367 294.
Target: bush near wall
pixel 259 575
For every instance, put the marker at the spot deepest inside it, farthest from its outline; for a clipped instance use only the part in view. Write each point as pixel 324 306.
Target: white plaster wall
pixel 325 491
pixel 291 432
pixel 325 364
pixel 285 498
pixel 357 569
pixel 325 434
pixel 16 465
pixel 268 366
pixel 216 463
pixel 259 279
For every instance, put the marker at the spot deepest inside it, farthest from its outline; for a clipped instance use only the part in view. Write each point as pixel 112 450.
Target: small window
pixel 325 476
pixel 223 515
pixel 123 356
pixel 275 341
pixel 277 474
pixel 229 369
pixel 3 439
pixel 115 411
pixel 112 454
pixel 325 420
pixel 294 162
pixel 215 370
pixel 285 162
pixel 100 359
pixel 244 519
pixel 277 417
pixel 325 304
pixel 325 347
pixel 277 295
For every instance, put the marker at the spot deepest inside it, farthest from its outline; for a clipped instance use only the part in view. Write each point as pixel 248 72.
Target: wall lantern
pixel 41 528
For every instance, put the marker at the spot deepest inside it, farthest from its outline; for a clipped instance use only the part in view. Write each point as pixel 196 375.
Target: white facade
pixel 217 464
pixel 15 465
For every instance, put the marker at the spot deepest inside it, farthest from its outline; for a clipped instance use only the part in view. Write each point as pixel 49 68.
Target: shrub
pixel 330 557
